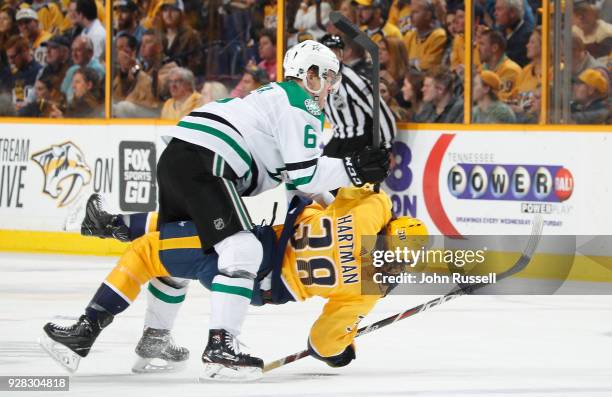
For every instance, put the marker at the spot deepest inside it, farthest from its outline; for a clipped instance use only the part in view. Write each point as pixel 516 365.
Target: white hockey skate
pixel 62 355
pixel 157 353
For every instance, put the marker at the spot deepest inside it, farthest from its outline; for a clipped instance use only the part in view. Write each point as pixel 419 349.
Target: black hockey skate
pixel 223 360
pixel 157 352
pixel 99 223
pixel 67 345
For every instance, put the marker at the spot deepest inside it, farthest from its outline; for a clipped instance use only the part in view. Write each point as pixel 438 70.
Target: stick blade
pixel 344 25
pixel 352 31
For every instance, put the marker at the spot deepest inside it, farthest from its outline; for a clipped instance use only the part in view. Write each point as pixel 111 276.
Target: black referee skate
pixel 157 352
pixel 67 345
pixel 223 360
pixel 99 223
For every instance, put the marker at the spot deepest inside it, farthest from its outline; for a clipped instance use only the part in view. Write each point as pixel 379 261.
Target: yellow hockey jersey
pixel 427 50
pixel 400 16
pixel 323 259
pixel 508 71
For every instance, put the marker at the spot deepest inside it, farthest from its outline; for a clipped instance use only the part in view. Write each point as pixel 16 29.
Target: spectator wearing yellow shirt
pixel 29 28
pixel 492 49
pixel 69 27
pixel 457 57
pixel 530 79
pixel 372 16
pixel 184 97
pixel 132 87
pixel 49 14
pixel 269 21
pixel 150 10
pixel 399 15
pixel 427 40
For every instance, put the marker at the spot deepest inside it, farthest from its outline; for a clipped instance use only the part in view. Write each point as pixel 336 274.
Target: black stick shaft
pixel 361 38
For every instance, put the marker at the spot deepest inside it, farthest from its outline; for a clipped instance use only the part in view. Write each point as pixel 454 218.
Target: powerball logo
pixel 537 186
pixel 542 183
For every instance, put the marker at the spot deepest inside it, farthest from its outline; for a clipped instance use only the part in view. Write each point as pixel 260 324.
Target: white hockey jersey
pixel 273 135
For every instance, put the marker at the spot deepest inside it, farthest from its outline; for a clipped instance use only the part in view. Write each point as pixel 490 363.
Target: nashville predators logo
pixel 65 171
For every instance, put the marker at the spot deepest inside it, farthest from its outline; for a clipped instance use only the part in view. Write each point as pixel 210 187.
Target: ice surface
pixel 472 346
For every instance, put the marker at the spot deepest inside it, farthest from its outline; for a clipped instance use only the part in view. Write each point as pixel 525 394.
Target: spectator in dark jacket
pixel 24 71
pixel 127 19
pixel 47 97
pixel 58 60
pixel 440 105
pixel 181 44
pixel 590 98
pixel 509 18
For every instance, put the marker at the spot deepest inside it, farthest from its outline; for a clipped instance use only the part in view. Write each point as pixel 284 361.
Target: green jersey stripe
pixel 242 214
pixel 165 297
pixel 221 135
pixel 302 181
pixel 305 179
pixel 218 166
pixel 230 289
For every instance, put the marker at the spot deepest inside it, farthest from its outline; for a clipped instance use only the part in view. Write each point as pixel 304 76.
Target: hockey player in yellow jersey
pixel 317 252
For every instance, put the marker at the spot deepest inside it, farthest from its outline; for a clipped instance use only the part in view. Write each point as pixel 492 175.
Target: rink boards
pixel 458 180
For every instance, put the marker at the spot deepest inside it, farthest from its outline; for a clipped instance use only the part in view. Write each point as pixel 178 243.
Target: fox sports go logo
pixel 510 182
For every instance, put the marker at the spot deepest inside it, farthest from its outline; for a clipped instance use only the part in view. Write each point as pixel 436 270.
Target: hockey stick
pixel 361 38
pixel 519 265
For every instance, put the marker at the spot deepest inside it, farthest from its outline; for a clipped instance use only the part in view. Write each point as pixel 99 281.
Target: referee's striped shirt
pixel 350 112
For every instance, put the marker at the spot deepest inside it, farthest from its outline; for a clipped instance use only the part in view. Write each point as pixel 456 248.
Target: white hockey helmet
pixel 307 54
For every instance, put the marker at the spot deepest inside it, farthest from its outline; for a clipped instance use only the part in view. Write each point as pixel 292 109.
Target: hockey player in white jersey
pixel 241 147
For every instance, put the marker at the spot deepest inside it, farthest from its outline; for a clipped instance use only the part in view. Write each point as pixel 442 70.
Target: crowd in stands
pixel 170 56
pixel 52 58
pixel 167 56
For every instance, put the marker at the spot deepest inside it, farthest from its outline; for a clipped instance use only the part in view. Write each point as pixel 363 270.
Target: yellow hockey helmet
pixel 407 232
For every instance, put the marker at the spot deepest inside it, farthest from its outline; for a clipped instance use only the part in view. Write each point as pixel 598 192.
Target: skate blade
pixel 62 355
pixel 157 365
pixel 220 373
